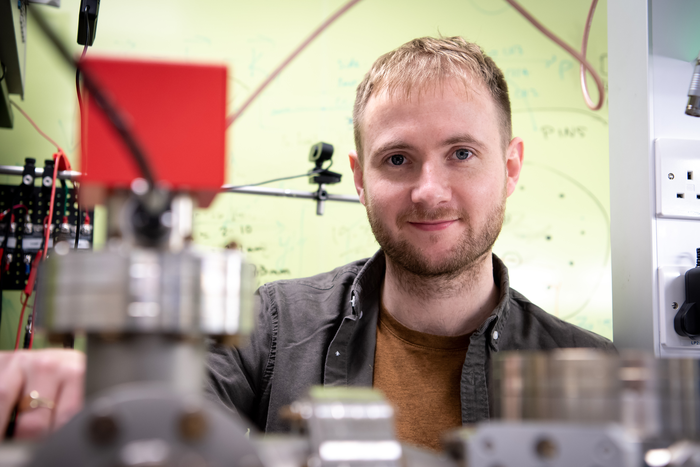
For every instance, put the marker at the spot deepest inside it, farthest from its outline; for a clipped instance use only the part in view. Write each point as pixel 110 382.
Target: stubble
pixel 419 274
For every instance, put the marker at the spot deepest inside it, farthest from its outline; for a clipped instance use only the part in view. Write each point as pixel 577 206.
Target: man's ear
pixel 356 168
pixel 514 163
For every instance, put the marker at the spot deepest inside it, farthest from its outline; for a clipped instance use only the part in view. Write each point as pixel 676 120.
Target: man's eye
pixel 463 154
pixel 397 159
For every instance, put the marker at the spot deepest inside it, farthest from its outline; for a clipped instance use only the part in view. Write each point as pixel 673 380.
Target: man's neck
pixel 441 306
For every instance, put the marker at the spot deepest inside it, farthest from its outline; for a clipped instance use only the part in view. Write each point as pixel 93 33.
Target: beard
pixel 464 255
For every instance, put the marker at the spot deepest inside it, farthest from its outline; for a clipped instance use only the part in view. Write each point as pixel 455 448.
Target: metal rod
pixel 38 172
pixel 251 190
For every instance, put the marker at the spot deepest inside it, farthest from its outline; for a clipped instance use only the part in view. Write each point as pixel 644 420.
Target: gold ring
pixel 33 401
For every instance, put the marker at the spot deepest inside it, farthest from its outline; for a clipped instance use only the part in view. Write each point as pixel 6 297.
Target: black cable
pixel 307 174
pixel 113 115
pixel 77 71
pixel 315 171
pixel 4 71
pixel 28 330
pixel 77 222
pixel 77 88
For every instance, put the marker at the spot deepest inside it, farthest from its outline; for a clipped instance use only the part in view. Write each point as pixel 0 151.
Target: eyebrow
pixel 392 146
pixel 464 138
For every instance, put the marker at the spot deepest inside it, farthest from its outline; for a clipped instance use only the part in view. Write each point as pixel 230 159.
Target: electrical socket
pixel 677 178
pixel 671 297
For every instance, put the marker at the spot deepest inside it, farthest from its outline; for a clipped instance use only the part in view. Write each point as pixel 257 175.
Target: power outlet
pixel 671 297
pixel 677 178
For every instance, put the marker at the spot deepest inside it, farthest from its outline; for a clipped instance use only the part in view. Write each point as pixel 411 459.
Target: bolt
pixel 674 305
pixel 193 425
pixel 546 449
pixel 671 176
pixel 103 429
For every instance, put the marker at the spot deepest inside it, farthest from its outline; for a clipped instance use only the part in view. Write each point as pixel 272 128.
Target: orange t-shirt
pixel 420 375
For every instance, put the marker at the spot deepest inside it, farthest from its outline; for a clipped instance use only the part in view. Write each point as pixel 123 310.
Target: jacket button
pixel 337 354
pixel 495 335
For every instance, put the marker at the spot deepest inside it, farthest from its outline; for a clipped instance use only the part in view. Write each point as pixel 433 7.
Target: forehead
pixel 431 111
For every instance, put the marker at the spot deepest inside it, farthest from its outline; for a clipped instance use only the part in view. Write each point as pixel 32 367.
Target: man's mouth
pixel 432 226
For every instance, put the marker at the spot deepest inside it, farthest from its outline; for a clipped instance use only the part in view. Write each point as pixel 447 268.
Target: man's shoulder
pixel 529 327
pixel 338 277
pixel 327 293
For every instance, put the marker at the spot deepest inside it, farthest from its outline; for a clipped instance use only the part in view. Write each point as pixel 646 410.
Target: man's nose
pixel 432 187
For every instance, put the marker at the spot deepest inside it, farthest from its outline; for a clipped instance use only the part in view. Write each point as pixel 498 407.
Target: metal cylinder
pixel 659 397
pixel 578 385
pixel 123 290
pixel 655 399
pixel 147 358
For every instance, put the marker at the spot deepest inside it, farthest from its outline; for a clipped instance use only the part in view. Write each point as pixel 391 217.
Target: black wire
pixel 28 330
pixel 77 88
pixel 77 222
pixel 113 115
pixel 77 71
pixel 4 71
pixel 307 174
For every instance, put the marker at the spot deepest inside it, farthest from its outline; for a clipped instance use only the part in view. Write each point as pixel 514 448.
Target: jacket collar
pixel 368 282
pixel 350 358
pixel 495 325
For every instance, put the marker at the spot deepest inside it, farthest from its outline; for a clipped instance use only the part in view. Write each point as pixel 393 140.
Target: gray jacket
pixel 322 330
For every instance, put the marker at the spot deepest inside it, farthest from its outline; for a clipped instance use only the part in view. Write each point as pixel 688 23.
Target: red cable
pixel 584 46
pixel 15 207
pixel 21 318
pixel 31 334
pixel 292 56
pixel 57 158
pixel 28 289
pixel 36 127
pixel 47 224
pixel 578 56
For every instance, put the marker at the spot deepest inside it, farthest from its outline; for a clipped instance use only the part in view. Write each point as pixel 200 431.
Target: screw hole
pixel 546 449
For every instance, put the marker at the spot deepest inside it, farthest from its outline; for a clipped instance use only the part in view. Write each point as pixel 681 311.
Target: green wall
pixel 556 237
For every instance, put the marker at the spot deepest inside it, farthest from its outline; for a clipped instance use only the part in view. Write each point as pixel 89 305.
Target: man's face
pixel 434 177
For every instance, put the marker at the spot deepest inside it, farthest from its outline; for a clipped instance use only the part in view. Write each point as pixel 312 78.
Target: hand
pixel 56 375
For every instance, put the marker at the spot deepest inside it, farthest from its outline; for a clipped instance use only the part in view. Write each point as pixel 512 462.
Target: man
pixel 434 164
pixel 420 320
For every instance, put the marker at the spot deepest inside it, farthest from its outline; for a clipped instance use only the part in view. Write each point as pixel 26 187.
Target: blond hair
pixel 428 61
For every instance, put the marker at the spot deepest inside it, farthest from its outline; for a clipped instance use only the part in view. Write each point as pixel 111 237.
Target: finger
pixel 12 379
pixel 70 395
pixel 42 374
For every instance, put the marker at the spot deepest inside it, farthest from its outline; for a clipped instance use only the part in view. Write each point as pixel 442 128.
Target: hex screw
pixel 546 449
pixel 193 425
pixel 671 176
pixel 103 429
pixel 674 305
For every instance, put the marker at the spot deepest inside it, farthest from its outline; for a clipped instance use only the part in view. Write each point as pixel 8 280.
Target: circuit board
pixel 24 211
